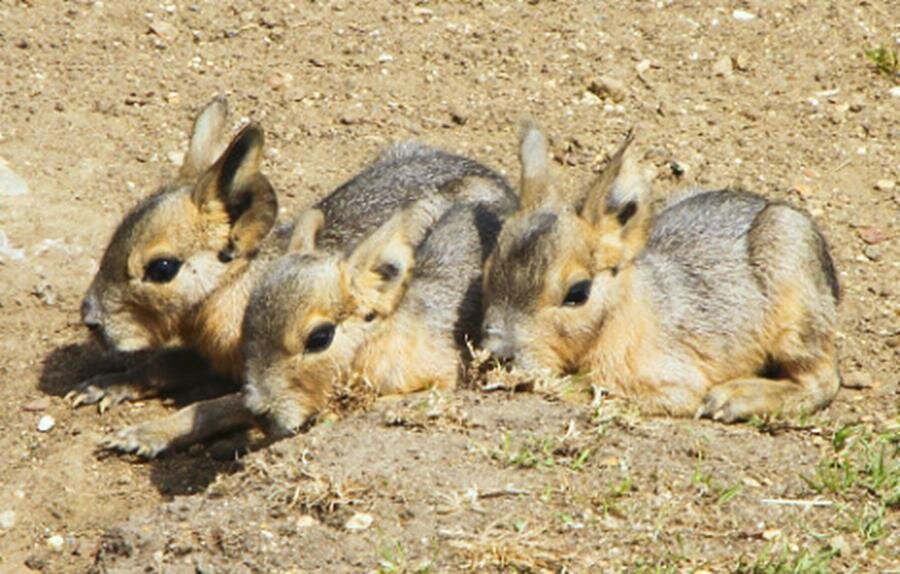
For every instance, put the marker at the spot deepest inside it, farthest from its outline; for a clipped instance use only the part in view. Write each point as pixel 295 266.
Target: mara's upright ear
pixel 618 202
pixel 234 183
pixel 381 266
pixel 207 139
pixel 306 228
pixel 536 187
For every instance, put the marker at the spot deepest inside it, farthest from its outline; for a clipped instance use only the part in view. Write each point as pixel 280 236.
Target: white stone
pixel 7 519
pixel 895 92
pixel 56 543
pixel 176 157
pixel 743 16
pixel 46 423
pixel 359 521
pixel 885 185
pixel 7 251
pixel 11 184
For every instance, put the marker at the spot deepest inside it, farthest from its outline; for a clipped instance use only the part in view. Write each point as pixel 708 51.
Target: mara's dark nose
pixel 90 313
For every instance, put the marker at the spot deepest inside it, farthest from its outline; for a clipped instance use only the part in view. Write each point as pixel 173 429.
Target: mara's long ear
pixel 234 183
pixel 618 202
pixel 306 227
pixel 534 156
pixel 381 266
pixel 207 139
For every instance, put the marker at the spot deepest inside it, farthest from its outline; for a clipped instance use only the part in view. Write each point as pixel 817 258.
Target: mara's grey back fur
pixel 713 258
pixel 403 173
pixel 446 287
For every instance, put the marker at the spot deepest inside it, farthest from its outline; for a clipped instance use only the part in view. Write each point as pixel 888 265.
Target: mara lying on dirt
pixel 396 313
pixel 722 306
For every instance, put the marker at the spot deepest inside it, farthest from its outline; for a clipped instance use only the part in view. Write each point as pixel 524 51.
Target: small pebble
pixel 385 58
pixel 278 80
pixel 7 251
pixel 458 116
pixel 872 252
pixel 885 185
pixel 7 519
pixel 359 521
pixel 46 423
pixel 751 482
pixel 37 405
pixel 56 543
pixel 606 87
pixel 176 157
pixel 642 66
pixel 743 16
pixel 871 235
pixel 46 293
pixel 11 184
pixel 723 67
pixel 895 92
pixel 741 62
pixel 350 118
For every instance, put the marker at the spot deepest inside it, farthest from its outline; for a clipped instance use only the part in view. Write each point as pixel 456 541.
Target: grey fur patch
pixel 447 281
pixel 401 175
pixel 521 263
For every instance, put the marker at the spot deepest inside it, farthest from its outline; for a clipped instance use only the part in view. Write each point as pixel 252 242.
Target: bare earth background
pixel 95 102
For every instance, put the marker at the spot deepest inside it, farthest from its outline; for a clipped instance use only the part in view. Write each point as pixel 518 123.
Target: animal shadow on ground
pixel 175 473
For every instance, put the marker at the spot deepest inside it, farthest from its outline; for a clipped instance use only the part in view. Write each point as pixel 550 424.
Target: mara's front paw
pixel 105 391
pixel 146 440
pixel 742 399
pixel 727 403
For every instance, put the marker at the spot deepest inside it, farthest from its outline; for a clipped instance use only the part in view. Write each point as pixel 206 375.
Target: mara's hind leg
pixel 794 270
pixel 805 390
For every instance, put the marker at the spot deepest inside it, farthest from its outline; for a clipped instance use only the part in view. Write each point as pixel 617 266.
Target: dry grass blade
pixel 351 394
pixel 486 374
pixel 502 550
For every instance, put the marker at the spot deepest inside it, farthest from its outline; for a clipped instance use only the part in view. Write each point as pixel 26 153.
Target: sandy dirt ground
pixel 96 99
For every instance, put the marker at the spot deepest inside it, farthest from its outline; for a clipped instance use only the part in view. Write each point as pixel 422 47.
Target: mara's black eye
pixel 578 294
pixel 320 338
pixel 162 270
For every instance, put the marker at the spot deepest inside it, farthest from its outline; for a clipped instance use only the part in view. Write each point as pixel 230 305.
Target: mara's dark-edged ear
pixel 618 201
pixel 306 228
pixel 207 139
pixel 534 156
pixel 380 267
pixel 234 183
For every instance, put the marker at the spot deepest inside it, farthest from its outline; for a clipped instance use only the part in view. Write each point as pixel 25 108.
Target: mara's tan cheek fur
pixel 215 329
pixel 404 356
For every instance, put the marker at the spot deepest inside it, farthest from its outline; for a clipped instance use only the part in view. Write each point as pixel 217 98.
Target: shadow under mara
pixel 174 473
pixel 65 367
